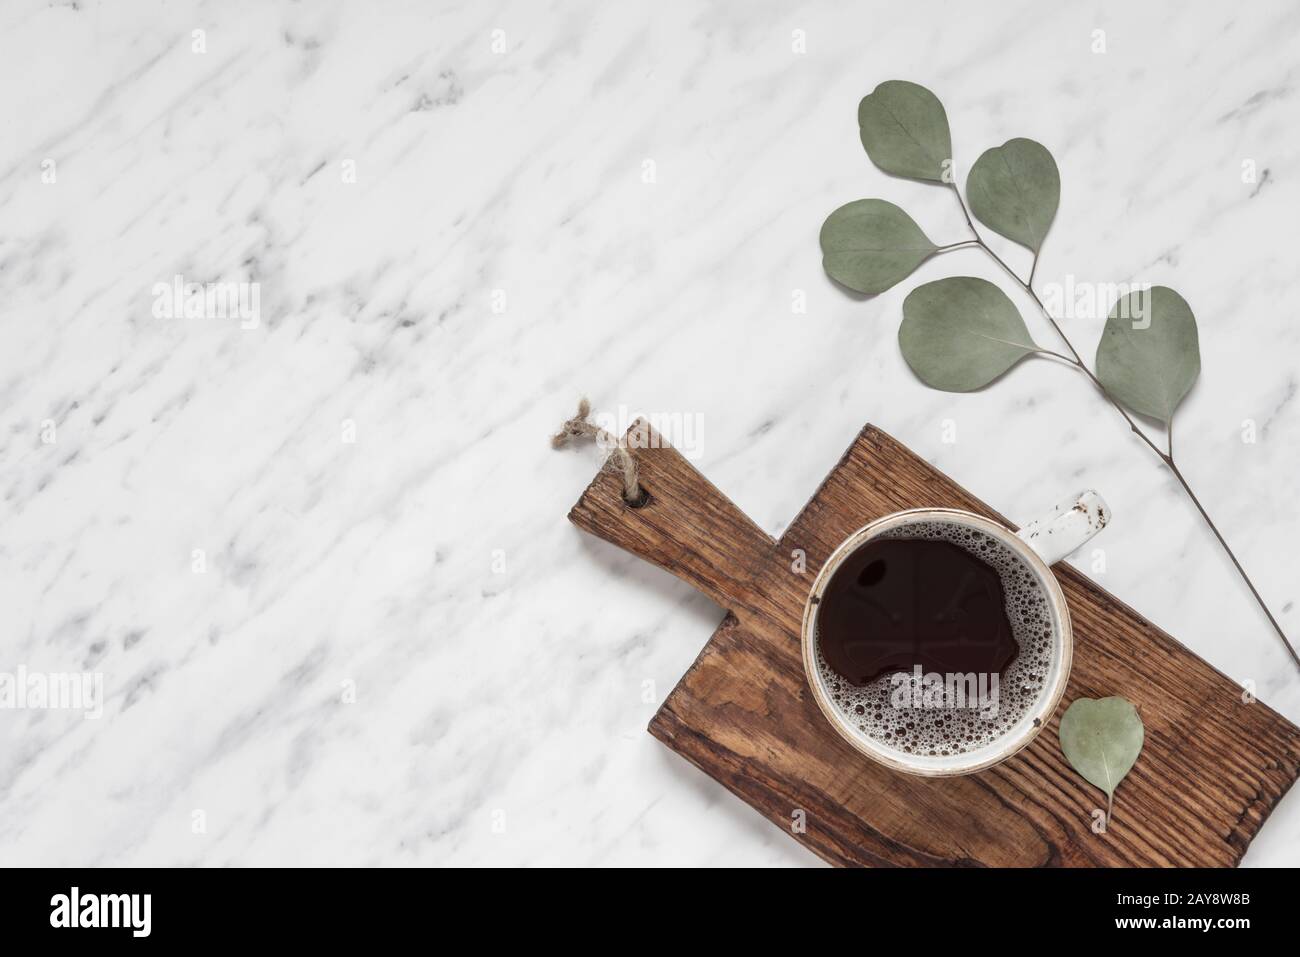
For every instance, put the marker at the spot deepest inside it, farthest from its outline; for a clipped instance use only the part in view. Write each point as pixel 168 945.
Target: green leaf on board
pixel 1102 738
pixel 1149 355
pixel 905 131
pixel 960 334
pixel 869 245
pixel 1014 189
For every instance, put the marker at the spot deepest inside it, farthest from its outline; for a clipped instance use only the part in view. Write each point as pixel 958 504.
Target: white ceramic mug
pixel 1037 546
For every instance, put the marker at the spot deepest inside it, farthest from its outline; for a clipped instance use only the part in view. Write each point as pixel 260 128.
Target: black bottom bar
pixel 335 908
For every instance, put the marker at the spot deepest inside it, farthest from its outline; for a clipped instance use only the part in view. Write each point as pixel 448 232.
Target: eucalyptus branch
pixel 1166 456
pixel 1076 360
pixel 961 333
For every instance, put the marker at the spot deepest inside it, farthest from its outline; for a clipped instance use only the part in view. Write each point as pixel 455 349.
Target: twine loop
pixel 619 459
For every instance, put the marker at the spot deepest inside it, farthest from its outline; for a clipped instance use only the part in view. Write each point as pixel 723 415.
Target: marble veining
pixel 313 539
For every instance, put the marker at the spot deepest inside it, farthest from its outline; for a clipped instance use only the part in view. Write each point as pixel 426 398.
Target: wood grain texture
pixel 1212 769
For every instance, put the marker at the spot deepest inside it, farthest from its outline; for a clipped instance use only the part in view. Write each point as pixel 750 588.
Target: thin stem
pixel 964 211
pixel 1055 355
pixel 1077 361
pixel 1166 456
pixel 1241 571
pixel 964 242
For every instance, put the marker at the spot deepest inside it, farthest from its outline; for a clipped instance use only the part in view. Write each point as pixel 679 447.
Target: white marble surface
pixel 499 714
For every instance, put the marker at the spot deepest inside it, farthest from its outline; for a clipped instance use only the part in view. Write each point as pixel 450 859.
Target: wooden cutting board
pixel 1213 767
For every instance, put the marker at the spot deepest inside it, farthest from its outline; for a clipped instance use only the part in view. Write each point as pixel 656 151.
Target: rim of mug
pixel 1051 698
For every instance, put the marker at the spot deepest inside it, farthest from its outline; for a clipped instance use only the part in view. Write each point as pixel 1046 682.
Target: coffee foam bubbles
pixel 951 730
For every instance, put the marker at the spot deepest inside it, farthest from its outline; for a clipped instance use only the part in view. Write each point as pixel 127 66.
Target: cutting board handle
pixel 689 528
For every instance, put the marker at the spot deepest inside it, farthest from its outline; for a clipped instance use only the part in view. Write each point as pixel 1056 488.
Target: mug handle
pixel 1067 527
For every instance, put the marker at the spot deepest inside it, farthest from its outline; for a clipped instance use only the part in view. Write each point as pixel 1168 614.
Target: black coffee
pixel 895 708
pixel 902 602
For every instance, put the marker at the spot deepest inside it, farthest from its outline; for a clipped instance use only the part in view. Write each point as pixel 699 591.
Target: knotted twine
pixel 619 459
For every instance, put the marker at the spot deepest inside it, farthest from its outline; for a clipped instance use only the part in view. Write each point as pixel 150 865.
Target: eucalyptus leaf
pixel 1149 355
pixel 1102 738
pixel 869 245
pixel 1014 189
pixel 905 130
pixel 960 334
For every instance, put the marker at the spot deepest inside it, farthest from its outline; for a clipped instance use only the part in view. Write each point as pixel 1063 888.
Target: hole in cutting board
pixel 641 500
